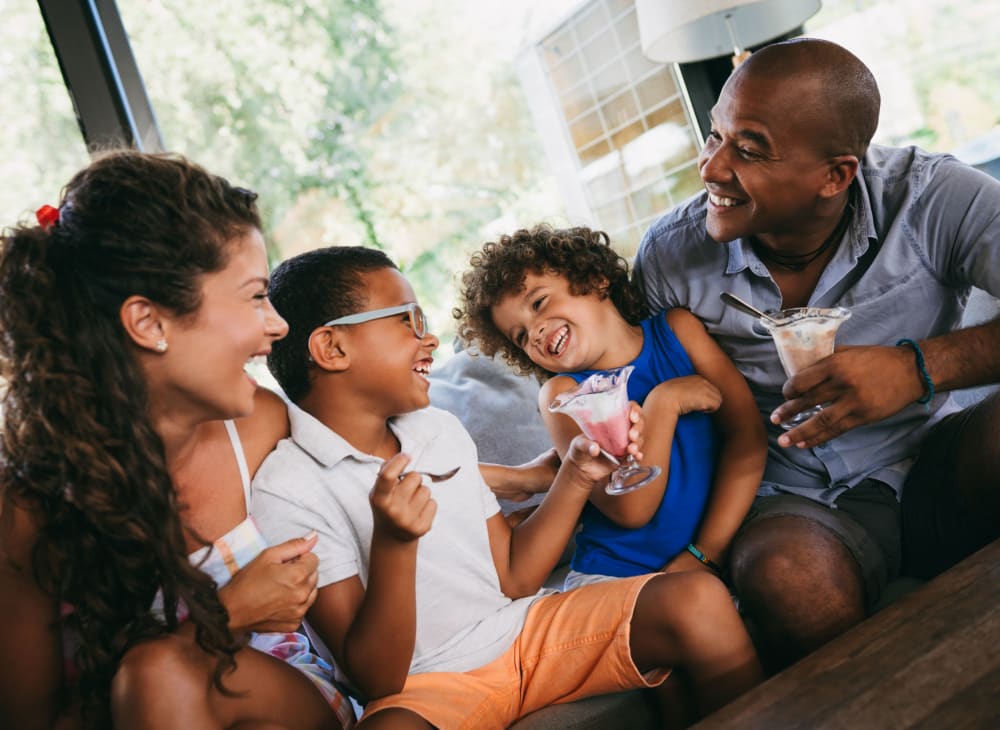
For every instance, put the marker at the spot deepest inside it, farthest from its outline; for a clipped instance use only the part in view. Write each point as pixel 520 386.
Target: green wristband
pixel 922 367
pixel 704 559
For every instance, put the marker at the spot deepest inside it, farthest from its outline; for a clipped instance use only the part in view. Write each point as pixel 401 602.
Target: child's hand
pixel 687 394
pixel 637 433
pixel 544 466
pixel 402 507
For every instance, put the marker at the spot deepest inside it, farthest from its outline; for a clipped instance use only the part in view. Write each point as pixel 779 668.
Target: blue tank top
pixel 605 548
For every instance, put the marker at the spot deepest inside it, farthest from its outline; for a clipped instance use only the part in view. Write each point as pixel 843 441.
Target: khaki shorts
pixel 866 520
pixel 573 645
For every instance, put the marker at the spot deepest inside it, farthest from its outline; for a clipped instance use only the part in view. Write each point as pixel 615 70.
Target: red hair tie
pixel 47 216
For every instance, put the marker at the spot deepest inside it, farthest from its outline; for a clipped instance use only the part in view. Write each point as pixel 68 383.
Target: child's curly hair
pixel 581 255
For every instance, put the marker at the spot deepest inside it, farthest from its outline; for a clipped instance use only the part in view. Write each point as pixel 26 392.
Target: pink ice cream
pixel 610 432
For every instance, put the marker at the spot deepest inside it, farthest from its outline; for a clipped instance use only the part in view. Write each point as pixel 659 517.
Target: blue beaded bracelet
pixel 922 367
pixel 693 549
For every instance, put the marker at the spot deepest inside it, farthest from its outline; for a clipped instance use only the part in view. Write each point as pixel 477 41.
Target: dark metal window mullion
pixel 101 75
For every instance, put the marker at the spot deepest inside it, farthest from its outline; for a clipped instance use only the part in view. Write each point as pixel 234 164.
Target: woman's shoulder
pixel 261 431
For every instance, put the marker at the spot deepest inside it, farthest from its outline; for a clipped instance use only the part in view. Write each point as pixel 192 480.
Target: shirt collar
pixel 862 228
pixel 737 255
pixel 860 232
pixel 329 448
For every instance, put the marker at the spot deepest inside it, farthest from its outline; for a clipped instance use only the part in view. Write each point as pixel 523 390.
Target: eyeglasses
pixel 418 321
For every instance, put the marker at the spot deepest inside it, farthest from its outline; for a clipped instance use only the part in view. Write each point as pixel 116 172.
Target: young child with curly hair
pixel 559 304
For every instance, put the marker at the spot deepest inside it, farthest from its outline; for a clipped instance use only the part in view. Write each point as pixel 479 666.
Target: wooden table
pixel 930 660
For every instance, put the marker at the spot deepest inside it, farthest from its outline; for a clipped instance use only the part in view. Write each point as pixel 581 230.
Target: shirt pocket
pixel 913 304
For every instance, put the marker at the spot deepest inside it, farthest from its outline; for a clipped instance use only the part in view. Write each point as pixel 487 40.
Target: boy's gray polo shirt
pixel 316 480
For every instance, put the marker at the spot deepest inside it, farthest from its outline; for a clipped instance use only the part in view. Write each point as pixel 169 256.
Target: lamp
pixel 681 31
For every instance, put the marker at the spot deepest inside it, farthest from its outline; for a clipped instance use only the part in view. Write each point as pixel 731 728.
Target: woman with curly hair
pixel 559 304
pixel 131 576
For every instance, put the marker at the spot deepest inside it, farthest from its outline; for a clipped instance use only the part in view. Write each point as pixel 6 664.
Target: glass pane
pixel 627 30
pixel 585 130
pixel 591 22
pixel 610 80
pixel 652 199
pixel 557 47
pixel 594 152
pixel 656 89
pixel 614 215
pixel 641 158
pixel 617 7
pixel 577 101
pixel 684 183
pixel 626 242
pixel 608 184
pixel 599 52
pixel 638 64
pixel 674 135
pixel 567 73
pixel 620 110
pixel 625 135
pixel 41 146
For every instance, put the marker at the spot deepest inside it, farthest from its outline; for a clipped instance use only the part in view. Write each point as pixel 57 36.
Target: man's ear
pixel 327 349
pixel 144 322
pixel 840 174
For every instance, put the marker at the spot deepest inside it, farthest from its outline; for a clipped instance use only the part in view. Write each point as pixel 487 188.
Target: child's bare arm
pixel 525 555
pixel 372 632
pixel 744 442
pixel 523 481
pixel 662 407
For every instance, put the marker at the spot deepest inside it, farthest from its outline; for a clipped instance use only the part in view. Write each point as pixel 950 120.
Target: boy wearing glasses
pixel 428 601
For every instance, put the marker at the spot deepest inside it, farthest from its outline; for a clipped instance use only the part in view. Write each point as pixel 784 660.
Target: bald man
pixel 799 209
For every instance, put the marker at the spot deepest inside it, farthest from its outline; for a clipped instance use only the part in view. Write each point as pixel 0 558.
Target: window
pixel 618 128
pixel 40 143
pixel 936 63
pixel 381 124
pixel 634 150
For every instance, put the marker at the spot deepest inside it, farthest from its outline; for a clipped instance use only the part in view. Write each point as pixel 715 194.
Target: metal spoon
pixel 734 301
pixel 434 478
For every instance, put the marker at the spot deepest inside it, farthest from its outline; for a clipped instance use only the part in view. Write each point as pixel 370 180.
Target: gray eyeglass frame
pixel 418 320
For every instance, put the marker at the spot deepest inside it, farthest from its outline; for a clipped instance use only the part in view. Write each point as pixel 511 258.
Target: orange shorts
pixel 573 645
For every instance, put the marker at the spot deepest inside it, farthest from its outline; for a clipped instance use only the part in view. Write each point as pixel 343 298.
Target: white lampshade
pixel 681 31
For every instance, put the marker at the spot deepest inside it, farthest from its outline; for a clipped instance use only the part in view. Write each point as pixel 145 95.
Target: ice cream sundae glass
pixel 600 406
pixel 803 336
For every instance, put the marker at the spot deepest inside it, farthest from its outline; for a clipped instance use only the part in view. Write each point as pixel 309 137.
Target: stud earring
pixel 161 345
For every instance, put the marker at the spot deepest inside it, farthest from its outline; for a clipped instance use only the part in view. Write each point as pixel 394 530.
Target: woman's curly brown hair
pixel 77 447
pixel 584 257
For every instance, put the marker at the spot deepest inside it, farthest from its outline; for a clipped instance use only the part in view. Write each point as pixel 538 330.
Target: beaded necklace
pixel 799 261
